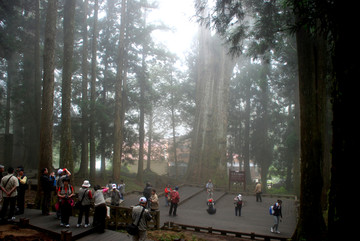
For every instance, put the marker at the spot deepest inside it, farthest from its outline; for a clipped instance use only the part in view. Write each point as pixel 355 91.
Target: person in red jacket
pixel 167 192
pixel 175 198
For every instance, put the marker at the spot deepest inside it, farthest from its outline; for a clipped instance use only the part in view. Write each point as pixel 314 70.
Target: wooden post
pixel 24 222
pixel 66 235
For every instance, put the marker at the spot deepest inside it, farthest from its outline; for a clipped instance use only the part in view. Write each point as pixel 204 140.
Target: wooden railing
pixel 121 216
pixel 178 227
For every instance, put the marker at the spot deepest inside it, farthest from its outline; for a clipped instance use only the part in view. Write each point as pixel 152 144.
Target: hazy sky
pixel 178 15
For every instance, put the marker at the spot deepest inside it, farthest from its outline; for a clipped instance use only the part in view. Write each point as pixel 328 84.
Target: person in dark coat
pixel 47 183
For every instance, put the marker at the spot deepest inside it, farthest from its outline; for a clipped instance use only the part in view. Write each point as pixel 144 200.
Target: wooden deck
pixel 51 225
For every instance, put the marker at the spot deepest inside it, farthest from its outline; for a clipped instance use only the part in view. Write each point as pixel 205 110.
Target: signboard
pixel 235 176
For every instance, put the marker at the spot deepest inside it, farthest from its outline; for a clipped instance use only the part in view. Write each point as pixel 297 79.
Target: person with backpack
pixel 238 204
pixel 9 185
pixel 65 193
pixel 167 192
pixel 85 197
pixel 276 212
pixel 174 200
pixel 140 216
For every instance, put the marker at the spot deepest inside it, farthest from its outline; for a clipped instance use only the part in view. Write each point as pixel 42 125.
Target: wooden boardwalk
pixel 51 225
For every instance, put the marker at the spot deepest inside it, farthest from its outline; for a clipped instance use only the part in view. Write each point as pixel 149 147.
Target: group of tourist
pixel 12 192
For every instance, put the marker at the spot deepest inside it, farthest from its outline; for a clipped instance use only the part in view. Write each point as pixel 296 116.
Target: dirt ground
pixel 12 232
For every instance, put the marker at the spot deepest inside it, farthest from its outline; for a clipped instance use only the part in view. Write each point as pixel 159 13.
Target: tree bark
pixel 84 164
pixel 118 135
pixel 311 225
pixel 93 96
pixel 66 158
pixel 46 127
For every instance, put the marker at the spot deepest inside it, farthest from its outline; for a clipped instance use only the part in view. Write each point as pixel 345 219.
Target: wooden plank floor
pixel 51 225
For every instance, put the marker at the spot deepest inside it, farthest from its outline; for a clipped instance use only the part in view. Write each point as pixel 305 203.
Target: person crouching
pixel 211 206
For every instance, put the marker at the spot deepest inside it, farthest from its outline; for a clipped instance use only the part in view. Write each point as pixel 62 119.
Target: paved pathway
pixel 255 215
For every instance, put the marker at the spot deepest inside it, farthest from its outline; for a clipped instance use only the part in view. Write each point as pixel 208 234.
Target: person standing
pixel 174 200
pixel 21 190
pixel 140 215
pixel 238 204
pixel 154 201
pixel 121 188
pixel 258 192
pixel 147 192
pixel 210 188
pixel 100 208
pixel 65 193
pixel 114 195
pixel 47 183
pixel 1 176
pixel 85 197
pixel 277 216
pixel 167 192
pixel 9 185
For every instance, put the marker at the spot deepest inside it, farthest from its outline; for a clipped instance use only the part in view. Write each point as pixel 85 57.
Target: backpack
pixel 271 210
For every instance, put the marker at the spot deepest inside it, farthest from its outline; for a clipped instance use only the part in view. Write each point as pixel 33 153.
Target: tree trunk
pixel 311 224
pixel 93 97
pixel 208 148
pixel 46 127
pixel 118 135
pixel 66 159
pixel 84 164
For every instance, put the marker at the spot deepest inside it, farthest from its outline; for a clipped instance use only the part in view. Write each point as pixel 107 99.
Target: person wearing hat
pixel 84 197
pixel 140 215
pixel 46 182
pixel 211 206
pixel 174 200
pixel 238 204
pixel 114 195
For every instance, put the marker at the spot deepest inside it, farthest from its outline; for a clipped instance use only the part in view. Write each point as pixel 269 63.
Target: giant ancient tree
pixel 208 148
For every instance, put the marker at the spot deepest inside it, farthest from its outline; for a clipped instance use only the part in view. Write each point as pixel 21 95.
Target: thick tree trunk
pixel 66 158
pixel 208 148
pixel 311 224
pixel 46 127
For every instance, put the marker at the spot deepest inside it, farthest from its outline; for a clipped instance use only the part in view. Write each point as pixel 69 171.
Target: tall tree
pixel 46 127
pixel 93 94
pixel 118 128
pixel 207 156
pixel 84 96
pixel 66 158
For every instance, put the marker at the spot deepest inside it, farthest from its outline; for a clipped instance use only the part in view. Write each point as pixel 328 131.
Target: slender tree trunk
pixel 66 158
pixel 93 96
pixel 46 127
pixel 151 116
pixel 142 118
pixel 84 98
pixel 118 136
